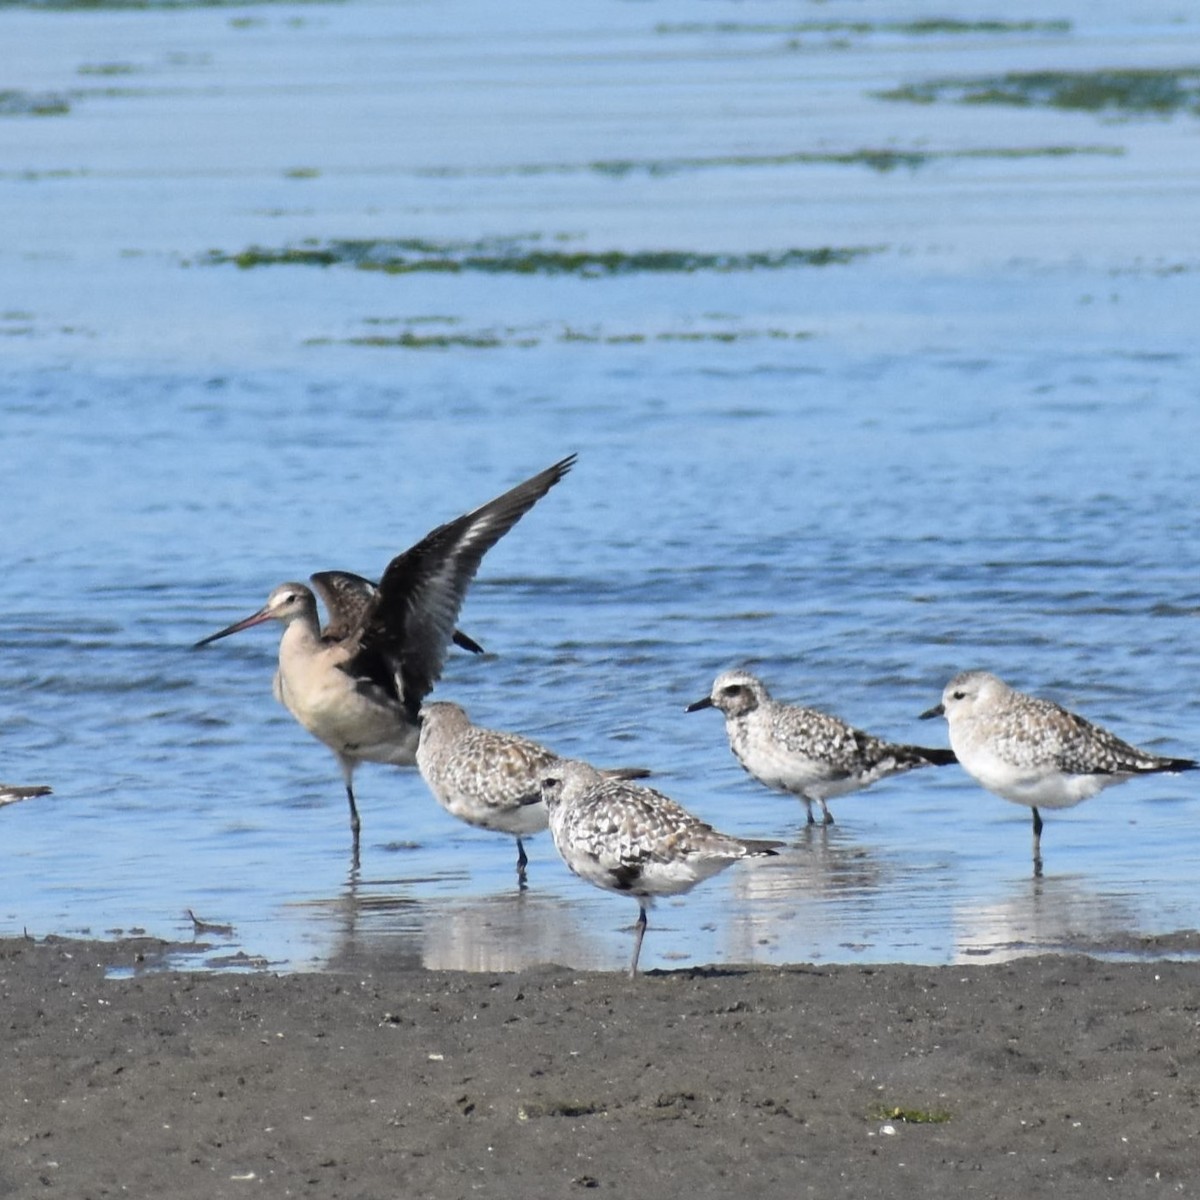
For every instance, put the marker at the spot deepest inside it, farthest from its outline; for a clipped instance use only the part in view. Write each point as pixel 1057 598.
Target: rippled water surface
pixel 865 391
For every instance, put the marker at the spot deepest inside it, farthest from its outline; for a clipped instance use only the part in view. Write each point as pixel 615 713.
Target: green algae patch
pixel 505 257
pixel 107 69
pixel 415 333
pixel 930 27
pixel 145 5
pixel 910 1116
pixel 31 176
pixel 33 104
pixel 1134 91
pixel 409 340
pixel 935 26
pixel 882 159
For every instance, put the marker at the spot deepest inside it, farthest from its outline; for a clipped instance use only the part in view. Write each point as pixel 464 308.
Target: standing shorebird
pixel 10 794
pixel 1036 752
pixel 357 684
pixel 626 838
pixel 803 751
pixel 487 778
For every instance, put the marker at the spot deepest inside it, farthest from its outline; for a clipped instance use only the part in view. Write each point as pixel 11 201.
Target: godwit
pixel 1035 752
pixel 804 751
pixel 357 685
pixel 10 794
pixel 488 778
pixel 627 838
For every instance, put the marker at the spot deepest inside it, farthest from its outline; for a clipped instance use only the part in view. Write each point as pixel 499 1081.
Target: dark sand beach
pixel 1055 1075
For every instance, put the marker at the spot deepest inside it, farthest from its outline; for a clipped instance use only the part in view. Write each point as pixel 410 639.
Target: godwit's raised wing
pixel 357 686
pixel 412 621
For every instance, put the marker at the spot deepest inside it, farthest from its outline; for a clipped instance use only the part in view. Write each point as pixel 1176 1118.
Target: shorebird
pixel 804 751
pixel 357 684
pixel 1036 752
pixel 10 793
pixel 627 838
pixel 488 778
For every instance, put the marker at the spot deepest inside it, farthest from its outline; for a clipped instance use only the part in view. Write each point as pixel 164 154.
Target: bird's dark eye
pixel 732 689
pixel 959 695
pixel 551 782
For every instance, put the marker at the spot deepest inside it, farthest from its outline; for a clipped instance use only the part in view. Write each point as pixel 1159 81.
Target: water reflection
pixel 827 897
pixel 511 932
pixel 380 922
pixel 1041 914
pixel 830 895
pixel 819 899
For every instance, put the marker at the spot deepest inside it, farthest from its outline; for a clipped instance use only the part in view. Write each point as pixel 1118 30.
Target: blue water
pixel 973 446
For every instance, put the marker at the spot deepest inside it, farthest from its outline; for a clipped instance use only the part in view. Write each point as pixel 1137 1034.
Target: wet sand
pixel 1050 1075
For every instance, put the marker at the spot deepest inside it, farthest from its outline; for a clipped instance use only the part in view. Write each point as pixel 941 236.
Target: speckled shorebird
pixel 357 684
pixel 627 838
pixel 1036 752
pixel 10 793
pixel 803 751
pixel 488 778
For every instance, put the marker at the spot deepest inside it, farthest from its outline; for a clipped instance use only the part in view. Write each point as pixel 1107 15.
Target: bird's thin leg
pixel 348 765
pixel 828 815
pixel 640 928
pixel 808 809
pixel 1037 841
pixel 522 862
pixel 355 858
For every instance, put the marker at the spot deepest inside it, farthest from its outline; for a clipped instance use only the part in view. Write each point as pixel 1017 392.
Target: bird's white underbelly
pixel 519 820
pixel 351 723
pixel 1037 786
pixel 671 878
pixel 653 878
pixel 786 772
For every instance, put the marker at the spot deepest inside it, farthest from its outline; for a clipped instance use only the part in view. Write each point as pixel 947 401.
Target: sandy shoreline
pixel 1046 1075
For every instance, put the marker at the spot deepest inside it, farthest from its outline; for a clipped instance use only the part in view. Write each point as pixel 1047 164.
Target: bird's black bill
pixel 699 704
pixel 257 619
pixel 938 710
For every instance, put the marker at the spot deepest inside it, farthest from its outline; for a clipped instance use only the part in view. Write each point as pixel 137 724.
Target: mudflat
pixel 1056 1075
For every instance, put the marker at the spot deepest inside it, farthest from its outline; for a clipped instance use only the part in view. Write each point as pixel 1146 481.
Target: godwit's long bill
pixel 357 684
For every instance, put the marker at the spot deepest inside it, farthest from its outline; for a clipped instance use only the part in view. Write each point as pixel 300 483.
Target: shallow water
pixel 971 443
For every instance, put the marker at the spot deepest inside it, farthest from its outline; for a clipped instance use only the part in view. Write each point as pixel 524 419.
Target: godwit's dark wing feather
pixel 466 642
pixel 423 589
pixel 349 601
